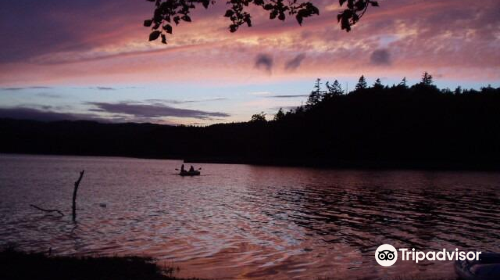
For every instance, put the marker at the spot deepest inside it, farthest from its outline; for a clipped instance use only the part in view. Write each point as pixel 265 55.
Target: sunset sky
pixel 90 59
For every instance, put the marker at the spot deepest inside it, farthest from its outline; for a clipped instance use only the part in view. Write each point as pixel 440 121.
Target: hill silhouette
pixel 373 126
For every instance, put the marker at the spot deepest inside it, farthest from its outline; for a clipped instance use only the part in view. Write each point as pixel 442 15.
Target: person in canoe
pixel 191 172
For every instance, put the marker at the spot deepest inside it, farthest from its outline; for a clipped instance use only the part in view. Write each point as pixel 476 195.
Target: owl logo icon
pixel 386 255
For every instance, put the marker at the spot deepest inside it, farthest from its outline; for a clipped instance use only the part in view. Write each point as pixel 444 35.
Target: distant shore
pixel 311 163
pixel 380 127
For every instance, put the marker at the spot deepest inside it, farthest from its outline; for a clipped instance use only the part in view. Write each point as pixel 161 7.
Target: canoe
pixel 487 268
pixel 189 173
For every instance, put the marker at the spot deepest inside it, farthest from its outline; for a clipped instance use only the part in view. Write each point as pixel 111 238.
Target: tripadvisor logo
pixel 387 255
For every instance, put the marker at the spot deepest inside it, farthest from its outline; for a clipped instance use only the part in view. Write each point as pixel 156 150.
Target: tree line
pixel 333 90
pixel 371 126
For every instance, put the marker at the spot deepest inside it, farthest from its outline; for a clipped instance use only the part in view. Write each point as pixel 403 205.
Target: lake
pixel 248 222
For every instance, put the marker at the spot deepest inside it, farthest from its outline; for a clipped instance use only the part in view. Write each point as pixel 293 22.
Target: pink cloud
pixel 103 43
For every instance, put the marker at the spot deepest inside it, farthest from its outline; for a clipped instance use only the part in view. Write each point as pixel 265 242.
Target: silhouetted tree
pixel 403 83
pixel 488 89
pixel 361 83
pixel 169 12
pixel 378 84
pixel 279 115
pixel 446 91
pixel 426 85
pixel 316 95
pixel 333 90
pixel 261 117
pixel 299 110
pixel 427 79
pixel 458 90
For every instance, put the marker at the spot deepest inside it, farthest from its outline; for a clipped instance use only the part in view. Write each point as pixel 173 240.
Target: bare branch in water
pixel 77 183
pixel 47 210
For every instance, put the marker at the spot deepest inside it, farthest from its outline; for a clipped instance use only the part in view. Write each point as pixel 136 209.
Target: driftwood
pixel 47 210
pixel 75 190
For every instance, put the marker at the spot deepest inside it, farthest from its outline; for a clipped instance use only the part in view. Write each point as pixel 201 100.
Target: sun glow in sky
pixel 90 59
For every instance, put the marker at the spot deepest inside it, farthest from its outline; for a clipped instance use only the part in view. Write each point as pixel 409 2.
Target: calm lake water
pixel 248 222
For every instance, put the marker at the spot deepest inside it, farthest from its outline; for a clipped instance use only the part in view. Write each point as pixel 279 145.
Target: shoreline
pixel 308 163
pixel 20 265
pixel 14 264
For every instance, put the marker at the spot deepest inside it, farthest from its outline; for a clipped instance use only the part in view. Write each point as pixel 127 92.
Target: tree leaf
pixel 346 24
pixel 148 22
pixel 273 14
pixel 339 17
pixel 355 18
pixel 360 5
pixel 268 7
pixel 248 20
pixel 299 19
pixel 314 10
pixel 168 28
pixel 154 35
pixel 350 4
pixel 229 13
pixel 233 28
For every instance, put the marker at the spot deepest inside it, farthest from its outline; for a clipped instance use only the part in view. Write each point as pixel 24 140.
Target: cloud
pixel 174 101
pixel 380 57
pixel 105 88
pixel 289 96
pixel 23 88
pixel 111 88
pixel 75 26
pixel 264 61
pixel 26 113
pixel 153 111
pixel 295 62
pixel 461 41
pixel 117 112
pixel 260 93
pixel 49 95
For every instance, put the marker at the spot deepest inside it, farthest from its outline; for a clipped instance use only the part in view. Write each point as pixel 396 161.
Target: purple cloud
pixel 25 113
pixel 264 61
pixel 295 62
pixel 153 111
pixel 380 57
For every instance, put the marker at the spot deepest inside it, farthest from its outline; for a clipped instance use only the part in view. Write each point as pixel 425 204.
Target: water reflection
pixel 247 222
